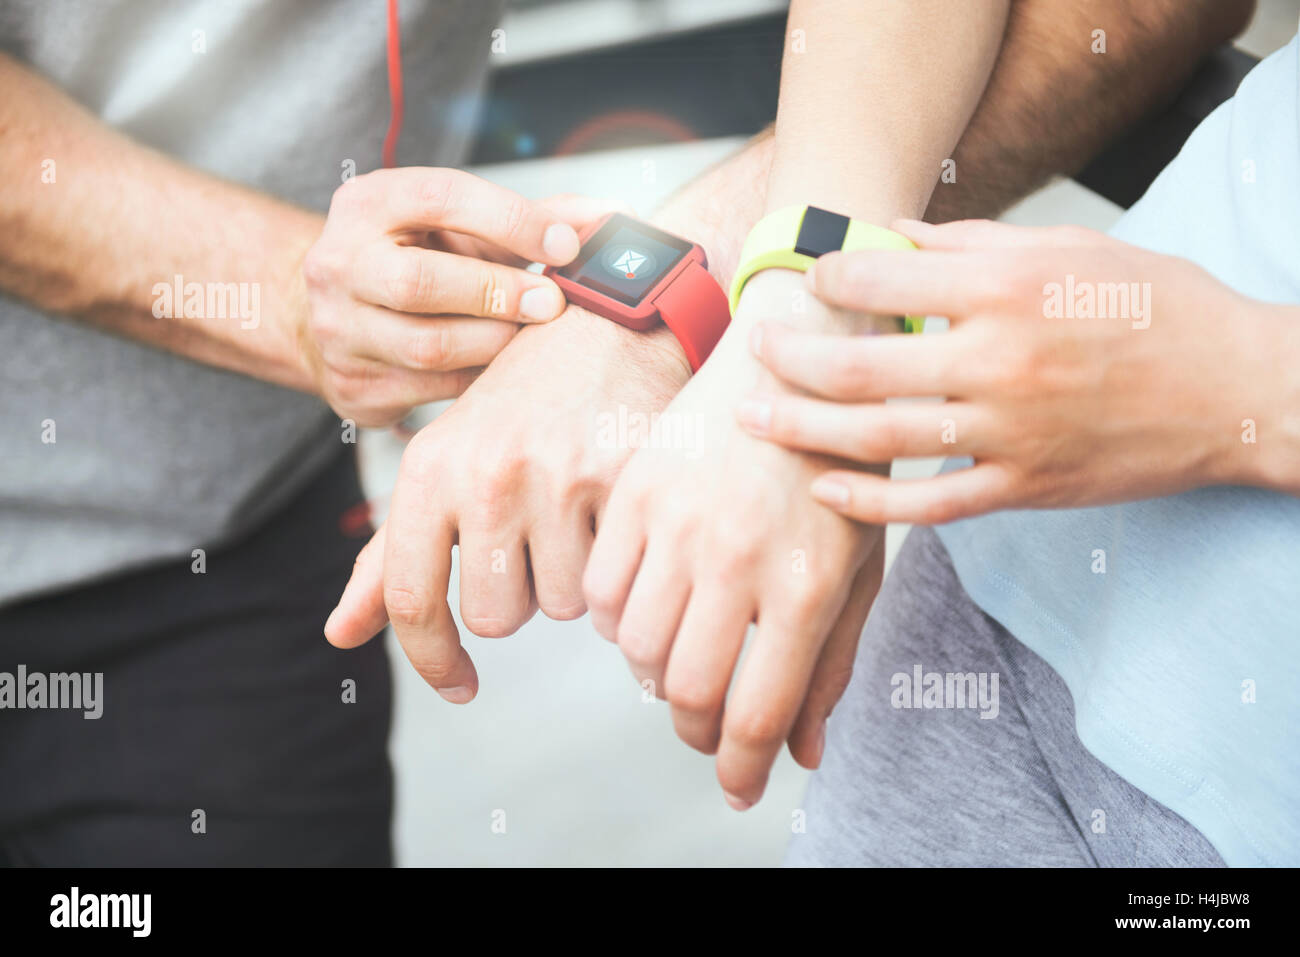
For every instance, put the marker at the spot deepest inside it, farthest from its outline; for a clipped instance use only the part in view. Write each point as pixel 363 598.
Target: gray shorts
pixel 914 775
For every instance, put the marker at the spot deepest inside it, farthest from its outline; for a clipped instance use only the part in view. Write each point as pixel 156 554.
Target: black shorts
pixel 223 706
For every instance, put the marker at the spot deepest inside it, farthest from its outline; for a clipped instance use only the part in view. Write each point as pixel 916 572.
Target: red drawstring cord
pixel 394 84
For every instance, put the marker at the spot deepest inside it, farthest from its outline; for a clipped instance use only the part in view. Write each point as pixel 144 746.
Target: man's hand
pixel 1079 371
pixel 415 284
pixel 514 474
pixel 702 539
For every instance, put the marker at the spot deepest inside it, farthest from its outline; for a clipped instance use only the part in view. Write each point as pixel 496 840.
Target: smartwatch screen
pixel 625 259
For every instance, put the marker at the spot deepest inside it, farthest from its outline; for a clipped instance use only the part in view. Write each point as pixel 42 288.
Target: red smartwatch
pixel 634 274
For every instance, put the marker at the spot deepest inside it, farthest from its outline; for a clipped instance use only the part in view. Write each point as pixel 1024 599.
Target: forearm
pixel 874 96
pixel 718 207
pixel 717 210
pixel 109 221
pixel 1052 103
pixel 1049 105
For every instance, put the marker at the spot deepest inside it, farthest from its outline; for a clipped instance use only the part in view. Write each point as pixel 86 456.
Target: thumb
pixel 572 209
pixel 361 614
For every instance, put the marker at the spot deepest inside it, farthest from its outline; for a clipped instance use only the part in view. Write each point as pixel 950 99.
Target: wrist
pixel 657 347
pixel 284 352
pixel 782 295
pixel 302 357
pixel 1264 445
pixel 717 209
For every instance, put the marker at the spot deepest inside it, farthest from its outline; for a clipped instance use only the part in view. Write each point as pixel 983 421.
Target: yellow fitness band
pixel 793 238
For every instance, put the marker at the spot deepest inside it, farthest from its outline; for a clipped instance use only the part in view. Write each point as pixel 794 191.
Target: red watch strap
pixel 695 308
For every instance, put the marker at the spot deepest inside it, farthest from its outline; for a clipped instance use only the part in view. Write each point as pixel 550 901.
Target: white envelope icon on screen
pixel 629 262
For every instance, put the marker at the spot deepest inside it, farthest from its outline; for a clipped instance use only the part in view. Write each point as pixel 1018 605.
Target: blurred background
pixel 560 761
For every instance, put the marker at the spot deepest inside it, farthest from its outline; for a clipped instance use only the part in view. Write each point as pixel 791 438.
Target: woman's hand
pixel 416 282
pixel 708 530
pixel 1078 371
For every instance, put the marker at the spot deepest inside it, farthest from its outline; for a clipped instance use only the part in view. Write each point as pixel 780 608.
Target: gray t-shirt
pixel 153 454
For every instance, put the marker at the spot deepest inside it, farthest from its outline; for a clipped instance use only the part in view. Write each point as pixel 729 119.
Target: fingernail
pixel 560 243
pixel 737 804
pixel 461 694
pixel 755 415
pixel 810 276
pixel 830 492
pixel 330 620
pixel 820 748
pixel 756 341
pixel 541 302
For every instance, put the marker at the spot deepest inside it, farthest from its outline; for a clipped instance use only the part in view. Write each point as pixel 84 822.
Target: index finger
pixel 866 368
pixel 422 198
pixel 417 571
pixel 902 282
pixel 360 613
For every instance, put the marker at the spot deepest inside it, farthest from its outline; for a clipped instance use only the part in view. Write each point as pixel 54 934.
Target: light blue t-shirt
pixel 1183 657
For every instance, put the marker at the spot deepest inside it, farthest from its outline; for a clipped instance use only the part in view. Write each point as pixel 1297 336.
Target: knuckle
pixel 849 367
pixel 637 646
pixel 878 438
pixel 420 463
pixel 753 727
pixel 693 696
pixel 734 553
pixel 435 193
pixel 807 598
pixel 433 666
pixel 351 196
pixel 491 492
pixel 1025 274
pixel 324 329
pixel 411 282
pixel 675 515
pixel 938 511
pixel 577 488
pixel 406 604
pixel 429 349
pixel 346 388
pixel 856 281
pixel 318 267
pixel 994 286
pixel 951 365
pixel 490 292
pixel 1010 370
pixel 599 593
pixel 567 483
pixel 835 275
pixel 834 682
pixel 514 216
